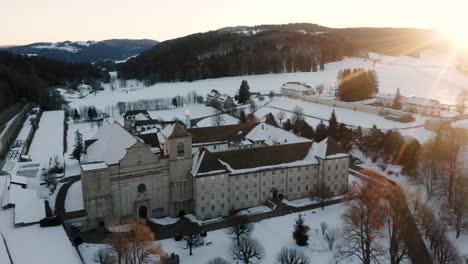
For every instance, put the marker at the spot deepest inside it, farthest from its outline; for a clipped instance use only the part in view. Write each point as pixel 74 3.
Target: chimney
pixel 187 119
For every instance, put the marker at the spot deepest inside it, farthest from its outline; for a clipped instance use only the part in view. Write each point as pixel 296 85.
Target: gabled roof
pixel 220 133
pixel 136 112
pixel 422 101
pixel 328 148
pixel 112 142
pixel 179 132
pixel 150 139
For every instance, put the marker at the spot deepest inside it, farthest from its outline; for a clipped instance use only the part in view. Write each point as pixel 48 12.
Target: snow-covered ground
pixel 195 111
pixel 273 234
pixel 48 139
pixel 427 76
pixel 347 116
pixel 461 124
pixel 224 121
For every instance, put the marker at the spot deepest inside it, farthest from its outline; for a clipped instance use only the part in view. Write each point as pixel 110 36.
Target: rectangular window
pixel 307 167
pixel 329 167
pixel 299 178
pixel 202 187
pixel 290 179
pixel 290 190
pixel 246 197
pixel 202 209
pixel 264 183
pixel 246 186
pixel 264 193
pixel 222 206
pixel 212 184
pixel 272 182
pixel 307 187
pixel 298 188
pixel 222 195
pixel 212 196
pixel 273 172
pixel 299 169
pixel 237 188
pixel 282 171
pixel 336 167
pixel 237 198
pixel 246 176
pixel 237 178
pixel 255 195
pixel 213 207
pixel 202 198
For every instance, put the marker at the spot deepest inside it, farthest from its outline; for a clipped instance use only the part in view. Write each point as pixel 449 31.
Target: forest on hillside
pixel 31 78
pixel 219 54
pixel 301 47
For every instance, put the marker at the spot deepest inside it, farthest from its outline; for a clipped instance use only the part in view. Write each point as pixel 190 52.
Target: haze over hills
pixel 242 50
pixel 85 51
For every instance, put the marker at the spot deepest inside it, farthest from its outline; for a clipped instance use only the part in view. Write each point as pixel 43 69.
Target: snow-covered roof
pixel 422 101
pixel 389 96
pixel 93 166
pixel 112 142
pixel 265 158
pixel 266 132
pixel 28 208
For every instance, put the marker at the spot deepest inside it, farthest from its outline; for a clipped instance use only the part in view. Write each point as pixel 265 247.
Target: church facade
pixel 151 176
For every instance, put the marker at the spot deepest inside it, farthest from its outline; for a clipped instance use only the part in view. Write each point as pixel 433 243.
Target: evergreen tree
pixel 244 92
pixel 78 147
pixel 321 132
pixel 397 101
pixel 300 233
pixel 332 125
pixel 90 113
pixel 76 115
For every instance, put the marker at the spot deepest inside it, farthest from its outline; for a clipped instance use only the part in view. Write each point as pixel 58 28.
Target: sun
pixel 460 37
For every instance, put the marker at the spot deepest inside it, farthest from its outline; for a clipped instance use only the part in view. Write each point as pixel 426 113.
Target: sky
pixel 28 21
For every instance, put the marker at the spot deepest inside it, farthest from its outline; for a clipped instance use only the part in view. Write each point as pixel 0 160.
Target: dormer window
pixel 180 150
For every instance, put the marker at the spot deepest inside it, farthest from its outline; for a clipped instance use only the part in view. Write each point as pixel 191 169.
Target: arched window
pixel 141 188
pixel 180 150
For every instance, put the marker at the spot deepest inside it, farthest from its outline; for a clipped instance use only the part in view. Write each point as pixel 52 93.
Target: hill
pixel 236 51
pixel 85 51
pixel 31 78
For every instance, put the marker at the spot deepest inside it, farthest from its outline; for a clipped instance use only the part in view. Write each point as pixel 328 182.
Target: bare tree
pixel 190 232
pixel 132 247
pixel 218 119
pixel 298 114
pixel 247 251
pixel 281 115
pixel 253 106
pixel 445 252
pixel 456 212
pixel 321 192
pixel 428 168
pixel 396 218
pixel 104 256
pixel 331 236
pixel 218 260
pixel 242 228
pixel 291 256
pixel 362 221
pixel 323 226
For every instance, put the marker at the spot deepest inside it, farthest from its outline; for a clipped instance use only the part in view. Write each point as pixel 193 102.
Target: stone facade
pixel 142 183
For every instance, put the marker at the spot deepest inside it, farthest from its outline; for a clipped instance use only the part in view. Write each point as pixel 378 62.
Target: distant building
pixel 296 89
pixel 135 115
pixel 422 106
pixel 386 99
pixel 222 101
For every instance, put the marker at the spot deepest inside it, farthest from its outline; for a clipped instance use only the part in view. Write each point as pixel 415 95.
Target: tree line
pixel 219 54
pixel 32 77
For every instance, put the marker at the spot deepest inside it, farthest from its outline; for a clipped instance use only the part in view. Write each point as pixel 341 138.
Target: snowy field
pixel 225 120
pixel 344 115
pixel 48 139
pixel 195 111
pixel 430 76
